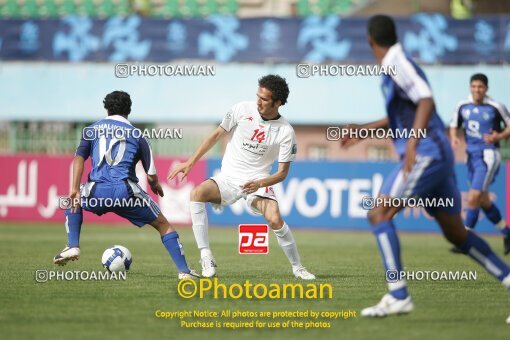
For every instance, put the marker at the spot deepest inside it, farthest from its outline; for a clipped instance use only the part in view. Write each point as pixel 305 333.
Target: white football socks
pixel 288 244
pixel 200 227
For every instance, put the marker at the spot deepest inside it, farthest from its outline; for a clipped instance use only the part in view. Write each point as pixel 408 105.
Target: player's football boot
pixel 69 253
pixel 455 250
pixel 303 274
pixel 191 275
pixel 508 320
pixel 506 245
pixel 388 306
pixel 208 266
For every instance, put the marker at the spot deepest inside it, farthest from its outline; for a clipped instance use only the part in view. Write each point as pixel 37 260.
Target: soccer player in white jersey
pixel 260 136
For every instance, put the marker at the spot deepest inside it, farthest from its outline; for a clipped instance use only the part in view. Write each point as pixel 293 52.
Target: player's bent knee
pixel 474 199
pixel 162 225
pixel 197 195
pixel 376 216
pixel 275 222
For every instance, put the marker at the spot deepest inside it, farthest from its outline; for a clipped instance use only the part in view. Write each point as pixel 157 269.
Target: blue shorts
pixel 483 166
pixel 126 199
pixel 429 178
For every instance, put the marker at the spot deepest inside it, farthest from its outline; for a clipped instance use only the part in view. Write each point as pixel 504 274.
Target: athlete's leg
pixel 74 220
pixel 470 244
pixel 473 208
pixel 207 191
pixel 170 240
pixel 271 212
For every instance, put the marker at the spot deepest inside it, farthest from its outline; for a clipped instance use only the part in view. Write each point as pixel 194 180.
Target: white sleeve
pixel 504 113
pixel 408 79
pixel 288 147
pixel 231 118
pixel 456 121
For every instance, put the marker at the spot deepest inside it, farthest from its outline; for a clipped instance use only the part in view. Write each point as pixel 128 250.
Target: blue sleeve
pixel 146 157
pixel 84 149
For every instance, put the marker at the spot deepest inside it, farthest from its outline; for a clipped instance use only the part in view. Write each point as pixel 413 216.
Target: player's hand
pixel 347 141
pixel 455 142
pixel 491 138
pixel 75 198
pixel 157 189
pixel 251 186
pixel 185 168
pixel 409 157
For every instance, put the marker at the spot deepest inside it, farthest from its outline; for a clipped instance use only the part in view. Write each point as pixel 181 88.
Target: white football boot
pixel 303 274
pixel 388 306
pixel 191 275
pixel 67 254
pixel 208 266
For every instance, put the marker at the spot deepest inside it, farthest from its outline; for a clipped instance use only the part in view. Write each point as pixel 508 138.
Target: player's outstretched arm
pixel 378 124
pixel 74 195
pixel 205 146
pixel 277 177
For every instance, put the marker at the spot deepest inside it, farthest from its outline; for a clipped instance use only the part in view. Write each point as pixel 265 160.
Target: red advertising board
pixel 30 187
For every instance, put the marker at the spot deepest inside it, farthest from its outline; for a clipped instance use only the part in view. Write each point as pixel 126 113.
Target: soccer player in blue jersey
pixel 115 147
pixel 481 118
pixel 425 169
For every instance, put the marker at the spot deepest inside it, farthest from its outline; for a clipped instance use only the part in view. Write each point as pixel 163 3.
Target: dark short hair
pixel 278 87
pixel 382 30
pixel 480 76
pixel 117 103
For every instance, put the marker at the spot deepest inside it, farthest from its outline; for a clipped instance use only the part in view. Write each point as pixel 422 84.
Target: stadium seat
pixel 230 7
pixel 190 8
pixel 88 8
pixel 341 6
pixel 122 7
pixel 303 8
pixel 169 9
pixel 67 7
pixel 209 7
pixel 48 9
pixel 11 9
pixel 30 9
pixel 106 9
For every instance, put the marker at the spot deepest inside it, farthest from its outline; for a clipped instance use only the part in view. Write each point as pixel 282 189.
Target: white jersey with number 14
pixel 255 144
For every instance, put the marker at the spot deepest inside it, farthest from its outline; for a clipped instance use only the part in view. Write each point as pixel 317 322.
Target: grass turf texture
pixel 125 309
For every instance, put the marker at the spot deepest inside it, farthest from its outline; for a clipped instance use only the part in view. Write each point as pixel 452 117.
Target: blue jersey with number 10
pixel 115 147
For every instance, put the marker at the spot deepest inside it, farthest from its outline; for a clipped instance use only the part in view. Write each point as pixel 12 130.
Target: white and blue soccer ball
pixel 117 259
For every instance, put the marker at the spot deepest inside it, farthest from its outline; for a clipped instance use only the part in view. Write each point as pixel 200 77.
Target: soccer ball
pixel 116 259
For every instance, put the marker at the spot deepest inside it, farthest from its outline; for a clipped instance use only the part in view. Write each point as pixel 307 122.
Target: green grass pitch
pixel 349 261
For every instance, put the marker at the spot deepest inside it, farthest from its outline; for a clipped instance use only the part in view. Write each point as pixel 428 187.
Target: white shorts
pixel 231 192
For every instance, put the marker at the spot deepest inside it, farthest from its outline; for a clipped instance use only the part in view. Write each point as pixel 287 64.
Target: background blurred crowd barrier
pixel 328 196
pixel 429 37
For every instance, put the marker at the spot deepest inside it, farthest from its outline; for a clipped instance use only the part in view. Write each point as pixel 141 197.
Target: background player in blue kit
pixel 481 118
pixel 425 169
pixel 115 147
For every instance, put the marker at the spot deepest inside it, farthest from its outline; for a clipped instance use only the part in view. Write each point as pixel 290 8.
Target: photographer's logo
pixel 392 276
pixel 41 276
pixel 64 202
pixel 303 70
pixel 367 203
pixel 89 133
pixel 122 70
pixel 253 239
pixel 333 133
